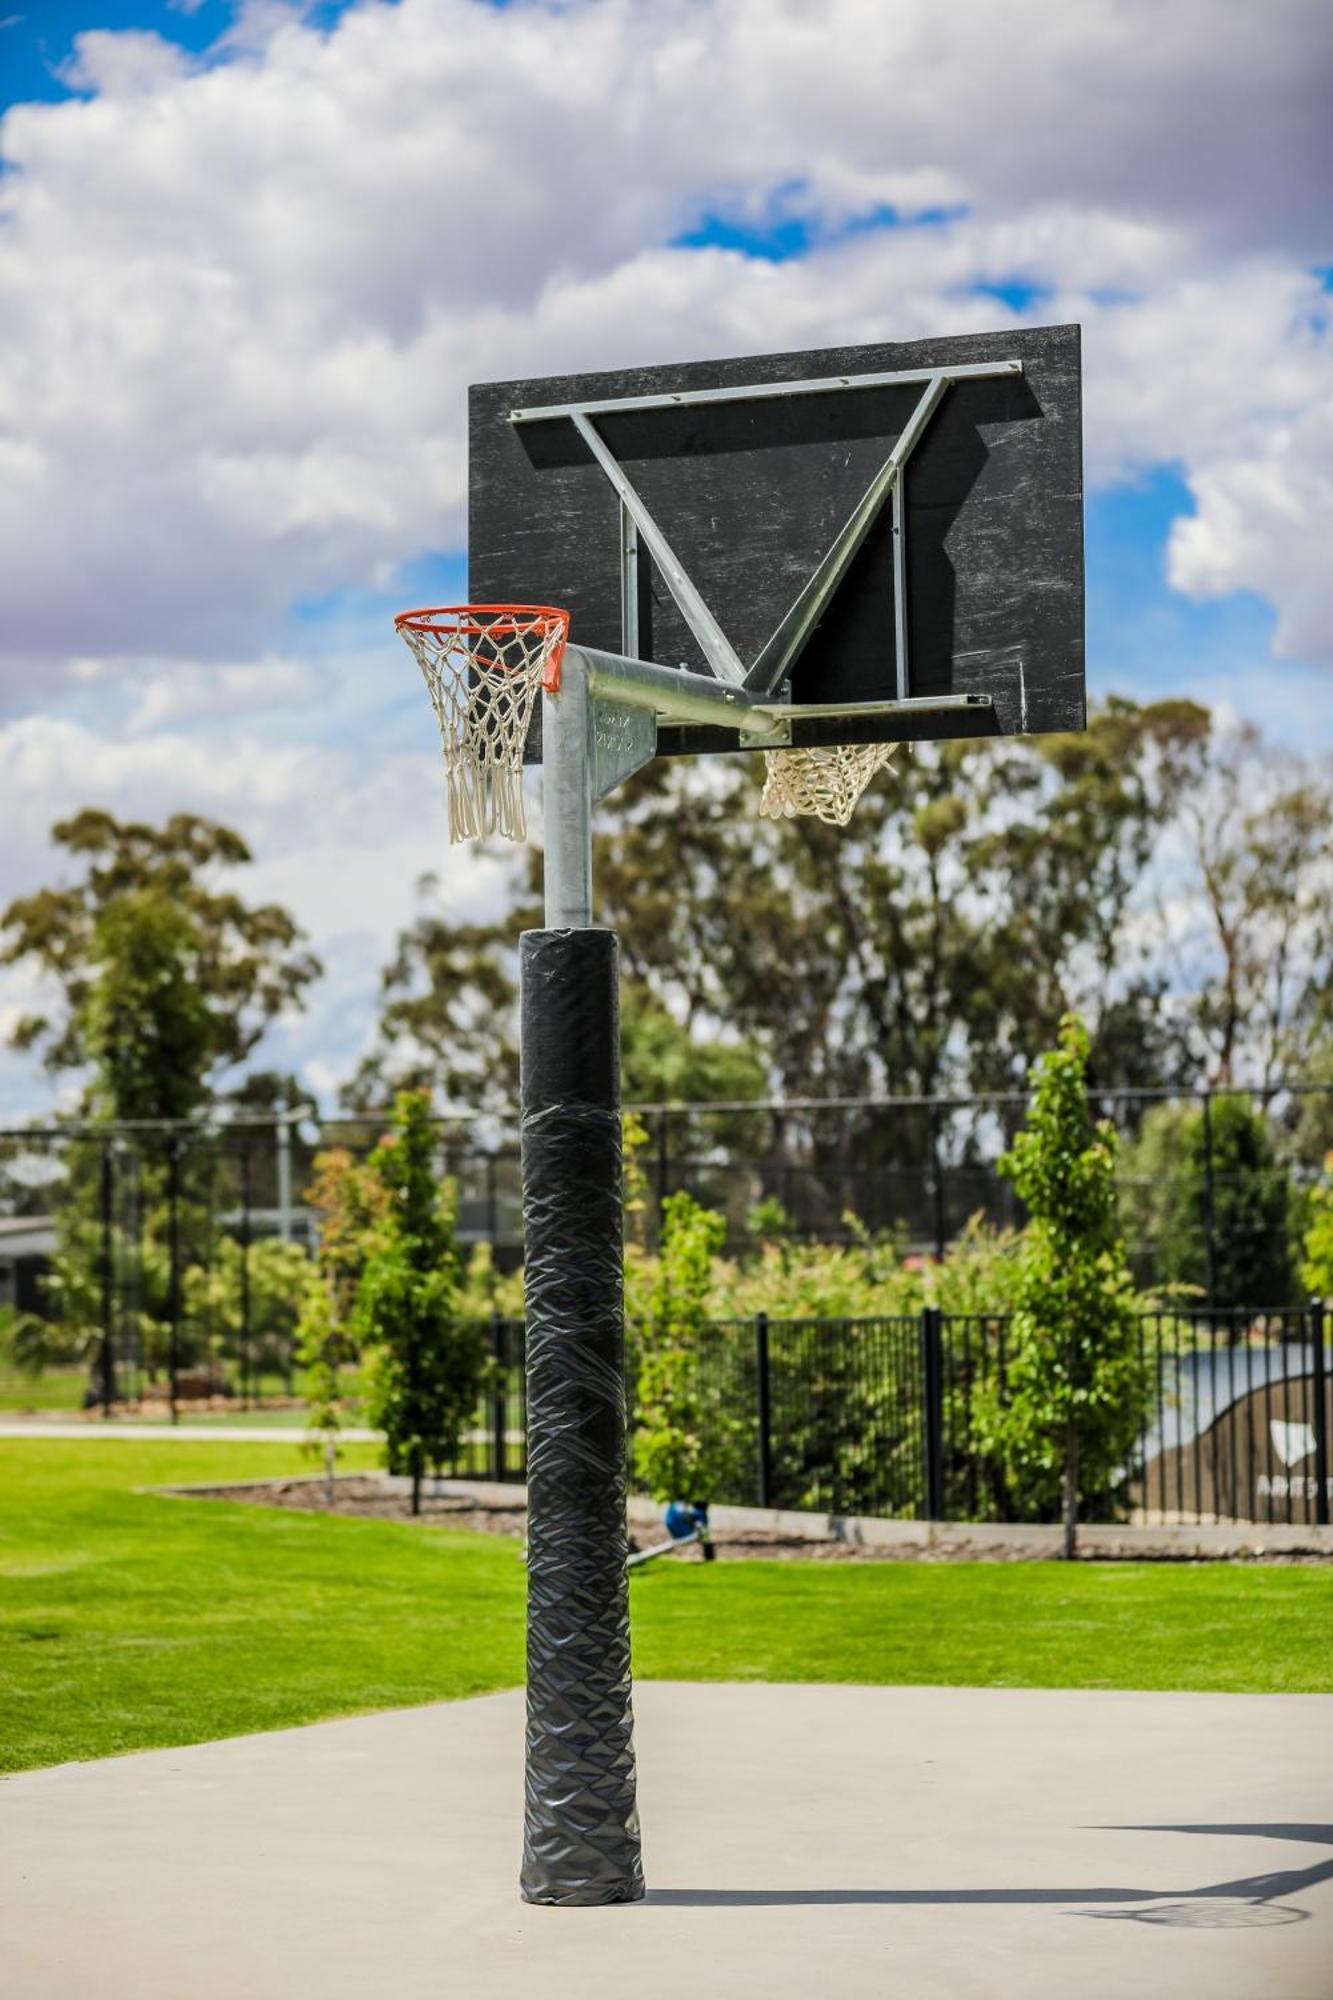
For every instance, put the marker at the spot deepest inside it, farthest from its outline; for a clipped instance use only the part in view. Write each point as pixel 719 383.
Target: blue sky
pixel 39 35
pixel 251 255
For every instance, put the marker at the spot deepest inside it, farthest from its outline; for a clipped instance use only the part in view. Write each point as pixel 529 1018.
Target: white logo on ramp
pixel 1291 1442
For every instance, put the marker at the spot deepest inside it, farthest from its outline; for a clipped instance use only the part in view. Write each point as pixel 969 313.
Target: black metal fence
pixel 881 1417
pixel 917 1166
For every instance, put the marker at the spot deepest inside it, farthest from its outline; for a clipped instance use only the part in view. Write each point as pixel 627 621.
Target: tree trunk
pixel 416 1482
pixel 1069 1485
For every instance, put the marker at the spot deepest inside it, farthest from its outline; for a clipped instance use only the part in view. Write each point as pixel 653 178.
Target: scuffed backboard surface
pixel 751 494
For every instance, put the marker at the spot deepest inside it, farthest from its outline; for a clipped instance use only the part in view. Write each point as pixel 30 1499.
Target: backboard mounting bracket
pixel 640 532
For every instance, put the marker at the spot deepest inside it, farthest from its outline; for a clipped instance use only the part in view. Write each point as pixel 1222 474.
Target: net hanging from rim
pixel 483 665
pixel 825 783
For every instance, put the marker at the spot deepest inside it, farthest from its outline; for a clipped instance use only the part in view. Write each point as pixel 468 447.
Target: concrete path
pixel 825 1841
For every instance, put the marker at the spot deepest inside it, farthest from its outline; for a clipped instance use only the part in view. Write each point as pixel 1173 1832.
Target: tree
pixel 246 963
pixel 352 1200
pixel 449 1015
pixel 163 977
pixel 1317 1248
pixel 1070 1410
pixel 1064 861
pixel 690 1439
pixel 425 1364
pixel 143 1023
pixel 1258 831
pixel 252 1297
pixel 323 1349
pixel 1210 1193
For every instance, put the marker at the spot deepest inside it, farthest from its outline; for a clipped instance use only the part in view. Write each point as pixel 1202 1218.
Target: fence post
pixel 499 1399
pixel 173 1272
pixel 1320 1414
pixel 248 1397
pixel 763 1408
pixel 107 1357
pixel 1209 1202
pixel 663 1165
pixel 932 1410
pixel 937 1184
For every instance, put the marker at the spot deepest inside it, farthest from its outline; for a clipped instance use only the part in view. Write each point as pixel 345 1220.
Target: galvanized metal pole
pixel 284 1138
pixel 567 801
pixel 1209 1204
pixel 581 1829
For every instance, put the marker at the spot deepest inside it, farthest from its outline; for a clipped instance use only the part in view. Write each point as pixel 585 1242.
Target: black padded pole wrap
pixel 581 1830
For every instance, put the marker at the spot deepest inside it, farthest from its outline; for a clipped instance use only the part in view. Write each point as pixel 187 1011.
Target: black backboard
pixel 750 493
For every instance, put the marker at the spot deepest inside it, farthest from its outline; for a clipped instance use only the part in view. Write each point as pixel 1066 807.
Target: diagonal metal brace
pixel 717 649
pixel 792 636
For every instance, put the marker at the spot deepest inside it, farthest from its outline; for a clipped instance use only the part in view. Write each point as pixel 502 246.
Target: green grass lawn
pixel 64 1391
pixel 129 1619
pixel 53 1389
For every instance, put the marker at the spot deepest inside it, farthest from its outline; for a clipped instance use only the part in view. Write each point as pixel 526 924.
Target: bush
pixel 1066 1421
pixel 690 1442
pixel 1166 1176
pixel 1317 1257
pixel 424 1362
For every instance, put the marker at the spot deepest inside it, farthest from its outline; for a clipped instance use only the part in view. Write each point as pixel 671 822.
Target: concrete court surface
pixel 980 1845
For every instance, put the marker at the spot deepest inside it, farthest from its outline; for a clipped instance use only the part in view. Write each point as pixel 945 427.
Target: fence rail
pixel 879 1416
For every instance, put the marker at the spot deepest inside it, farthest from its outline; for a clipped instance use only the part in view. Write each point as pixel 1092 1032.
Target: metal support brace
pixel 640 535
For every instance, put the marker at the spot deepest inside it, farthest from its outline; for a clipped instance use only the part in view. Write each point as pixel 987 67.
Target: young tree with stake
pixel 424 1363
pixel 1074 1396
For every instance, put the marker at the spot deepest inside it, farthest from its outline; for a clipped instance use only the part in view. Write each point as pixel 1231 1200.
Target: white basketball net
pixel 483 665
pixel 824 783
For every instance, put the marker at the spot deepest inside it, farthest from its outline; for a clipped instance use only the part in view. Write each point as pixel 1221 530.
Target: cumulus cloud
pixel 244 298
pixel 340 839
pixel 243 295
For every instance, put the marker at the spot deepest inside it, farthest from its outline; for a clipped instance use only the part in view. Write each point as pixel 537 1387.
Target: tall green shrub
pixel 424 1363
pixel 1067 1417
pixel 691 1440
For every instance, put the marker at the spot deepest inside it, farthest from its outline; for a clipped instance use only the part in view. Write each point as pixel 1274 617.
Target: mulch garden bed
pixel 365 1497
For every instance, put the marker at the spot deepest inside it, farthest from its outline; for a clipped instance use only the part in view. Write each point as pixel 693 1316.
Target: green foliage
pixel 144 1025
pixel 689 1441
pixel 1166 1177
pixel 148 908
pixel 424 1362
pixel 324 1350
pixel 1071 1407
pixel 251 1300
pixel 487 1290
pixel 25 1344
pixel 661 1062
pixel 1317 1259
pixel 351 1200
pixel 165 976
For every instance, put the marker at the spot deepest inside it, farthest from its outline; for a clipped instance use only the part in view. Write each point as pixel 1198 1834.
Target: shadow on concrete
pixel 1247 1902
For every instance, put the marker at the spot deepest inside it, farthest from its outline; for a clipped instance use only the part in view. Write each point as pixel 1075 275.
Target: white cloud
pixel 340 838
pixel 243 300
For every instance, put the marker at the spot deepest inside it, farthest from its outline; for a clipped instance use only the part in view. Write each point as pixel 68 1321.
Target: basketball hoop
pixel 483 664
pixel 825 783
